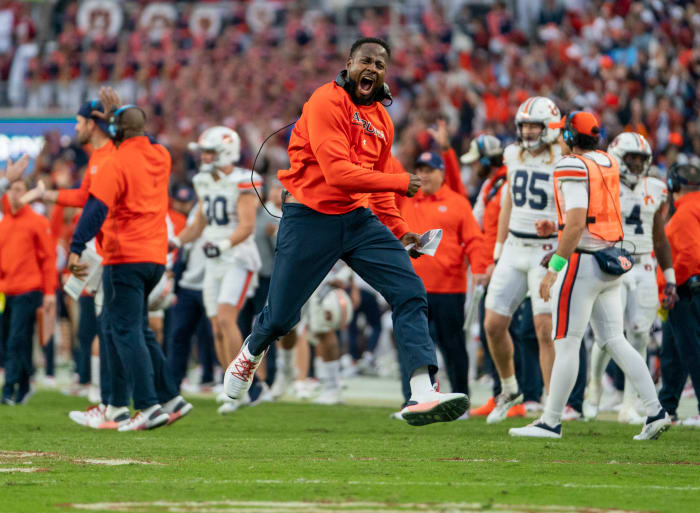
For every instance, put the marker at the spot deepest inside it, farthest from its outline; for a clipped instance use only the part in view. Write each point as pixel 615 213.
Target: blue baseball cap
pixel 431 159
pixel 86 111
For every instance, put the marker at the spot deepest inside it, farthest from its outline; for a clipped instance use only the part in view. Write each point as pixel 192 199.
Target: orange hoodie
pixel 133 183
pixel 338 155
pixel 27 253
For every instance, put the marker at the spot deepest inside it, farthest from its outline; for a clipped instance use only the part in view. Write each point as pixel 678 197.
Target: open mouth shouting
pixel 366 85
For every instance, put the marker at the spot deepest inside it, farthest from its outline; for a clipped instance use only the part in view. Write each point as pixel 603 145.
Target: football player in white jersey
pixel 641 199
pixel 519 250
pixel 226 220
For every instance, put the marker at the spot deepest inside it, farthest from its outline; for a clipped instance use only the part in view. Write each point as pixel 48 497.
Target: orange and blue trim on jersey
pixel 564 304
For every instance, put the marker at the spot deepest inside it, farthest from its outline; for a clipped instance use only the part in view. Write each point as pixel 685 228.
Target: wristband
pixel 497 250
pixel 556 263
pixel 224 245
pixel 670 275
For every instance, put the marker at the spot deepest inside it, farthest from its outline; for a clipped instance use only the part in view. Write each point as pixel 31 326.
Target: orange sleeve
pixel 330 142
pixel 75 197
pixel 473 241
pixel 108 184
pixel 46 253
pixel 384 205
pixel 56 222
pixel 453 175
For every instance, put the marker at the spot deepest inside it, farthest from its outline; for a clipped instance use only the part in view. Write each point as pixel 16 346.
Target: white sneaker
pixel 628 415
pixel 570 413
pixel 396 416
pixel 150 418
pixel 434 406
pixel 228 407
pixel 240 372
pixel 533 406
pixel 222 398
pixel 329 396
pixel 96 417
pixel 504 403
pixel 691 422
pixel 655 426
pixel 177 408
pixel 591 401
pixel 537 429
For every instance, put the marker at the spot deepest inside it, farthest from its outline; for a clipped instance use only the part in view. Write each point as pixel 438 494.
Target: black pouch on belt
pixel 614 260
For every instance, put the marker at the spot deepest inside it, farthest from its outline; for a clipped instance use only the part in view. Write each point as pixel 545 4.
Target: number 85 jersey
pixel 531 187
pixel 219 200
pixel 638 206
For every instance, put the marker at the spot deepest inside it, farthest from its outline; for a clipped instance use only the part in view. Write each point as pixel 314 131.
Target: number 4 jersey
pixel 639 205
pixel 531 188
pixel 219 199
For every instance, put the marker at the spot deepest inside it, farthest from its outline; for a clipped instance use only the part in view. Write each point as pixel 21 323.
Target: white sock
pixel 636 371
pixel 599 361
pixel 95 370
pixel 509 385
pixel 285 360
pixel 333 374
pixel 564 374
pixel 639 341
pixel 420 382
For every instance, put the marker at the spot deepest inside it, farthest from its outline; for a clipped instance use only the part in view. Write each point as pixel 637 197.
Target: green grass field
pixel 305 458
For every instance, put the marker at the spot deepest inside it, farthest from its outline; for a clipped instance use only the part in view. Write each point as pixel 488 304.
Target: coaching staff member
pixel 680 352
pixel 338 152
pixel 131 193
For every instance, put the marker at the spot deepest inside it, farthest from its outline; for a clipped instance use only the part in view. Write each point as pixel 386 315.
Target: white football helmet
pixel 222 140
pixel 630 143
pixel 538 109
pixel 335 312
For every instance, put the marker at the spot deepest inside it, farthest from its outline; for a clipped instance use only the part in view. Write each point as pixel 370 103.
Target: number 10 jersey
pixel 531 188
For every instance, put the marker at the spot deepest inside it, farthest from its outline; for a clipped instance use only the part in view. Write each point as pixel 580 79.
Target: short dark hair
pixel 367 40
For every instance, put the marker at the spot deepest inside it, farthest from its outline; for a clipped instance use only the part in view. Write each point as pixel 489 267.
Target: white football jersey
pixel 639 205
pixel 219 199
pixel 531 187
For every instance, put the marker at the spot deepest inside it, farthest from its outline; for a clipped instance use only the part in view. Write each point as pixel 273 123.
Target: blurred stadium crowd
pixel 252 65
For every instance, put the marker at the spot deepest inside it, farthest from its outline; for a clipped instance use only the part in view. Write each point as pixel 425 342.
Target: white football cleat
pixel 228 407
pixel 396 416
pixel 240 372
pixel 434 406
pixel 629 415
pixel 591 401
pixel 537 429
pixel 150 418
pixel 655 426
pixel 96 417
pixel 570 413
pixel 504 403
pixel 283 382
pixel 691 422
pixel 330 396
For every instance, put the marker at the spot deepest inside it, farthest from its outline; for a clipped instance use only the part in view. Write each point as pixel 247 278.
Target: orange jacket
pixel 446 272
pixel 453 174
pixel 78 197
pixel 133 183
pixel 683 232
pixel 492 209
pixel 338 155
pixel 27 252
pixel 603 218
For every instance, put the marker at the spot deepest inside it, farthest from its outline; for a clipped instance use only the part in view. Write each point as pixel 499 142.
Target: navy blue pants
pixel 680 351
pixel 188 316
pixel 369 306
pixel 310 243
pixel 87 329
pixel 18 322
pixel 252 307
pixel 137 363
pixel 446 320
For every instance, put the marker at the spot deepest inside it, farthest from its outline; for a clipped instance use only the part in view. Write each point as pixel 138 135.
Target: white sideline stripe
pixel 314 507
pixel 490 484
pixel 9 470
pixel 112 463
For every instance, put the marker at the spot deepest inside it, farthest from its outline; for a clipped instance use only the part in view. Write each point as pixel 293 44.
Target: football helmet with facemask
pixel 631 143
pixel 542 110
pixel 226 143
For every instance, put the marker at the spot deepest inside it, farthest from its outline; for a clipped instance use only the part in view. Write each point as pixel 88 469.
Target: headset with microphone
pixel 114 128
pixel 381 94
